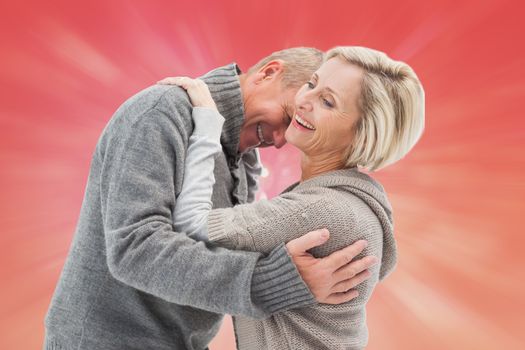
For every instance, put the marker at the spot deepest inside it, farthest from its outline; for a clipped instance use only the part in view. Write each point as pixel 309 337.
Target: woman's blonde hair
pixel 392 106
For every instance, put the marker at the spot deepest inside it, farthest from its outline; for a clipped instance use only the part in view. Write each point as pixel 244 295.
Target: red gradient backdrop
pixel 458 197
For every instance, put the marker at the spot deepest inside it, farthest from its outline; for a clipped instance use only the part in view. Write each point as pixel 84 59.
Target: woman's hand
pixel 197 90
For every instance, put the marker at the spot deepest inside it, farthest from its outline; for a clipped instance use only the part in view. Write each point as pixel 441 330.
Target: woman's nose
pixel 303 102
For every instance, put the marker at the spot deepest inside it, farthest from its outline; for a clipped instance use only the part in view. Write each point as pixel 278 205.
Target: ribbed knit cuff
pixel 225 90
pixel 216 232
pixel 277 285
pixel 221 232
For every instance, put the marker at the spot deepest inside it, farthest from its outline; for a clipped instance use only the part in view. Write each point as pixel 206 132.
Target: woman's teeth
pixel 304 123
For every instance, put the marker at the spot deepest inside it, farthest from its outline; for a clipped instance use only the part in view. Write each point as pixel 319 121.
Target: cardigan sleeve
pixel 263 225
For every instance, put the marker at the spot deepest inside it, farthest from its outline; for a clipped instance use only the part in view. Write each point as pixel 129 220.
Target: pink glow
pixel 458 197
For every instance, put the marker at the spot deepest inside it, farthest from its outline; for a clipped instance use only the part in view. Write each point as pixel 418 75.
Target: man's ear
pixel 270 70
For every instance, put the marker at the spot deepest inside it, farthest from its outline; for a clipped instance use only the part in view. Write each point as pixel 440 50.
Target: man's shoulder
pixel 155 104
pixel 169 100
pixel 159 107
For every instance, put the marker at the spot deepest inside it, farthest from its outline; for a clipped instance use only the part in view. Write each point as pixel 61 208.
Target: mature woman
pixel 360 109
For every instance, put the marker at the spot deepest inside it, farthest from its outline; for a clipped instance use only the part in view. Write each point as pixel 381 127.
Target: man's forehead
pixel 288 98
pixel 288 110
pixel 290 92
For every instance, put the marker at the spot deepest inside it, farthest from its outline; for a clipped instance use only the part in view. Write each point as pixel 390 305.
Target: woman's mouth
pixel 302 124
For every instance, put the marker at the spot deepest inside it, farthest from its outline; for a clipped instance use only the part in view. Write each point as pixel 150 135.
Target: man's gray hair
pixel 299 64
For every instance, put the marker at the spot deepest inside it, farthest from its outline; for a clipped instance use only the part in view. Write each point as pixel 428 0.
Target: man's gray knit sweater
pixel 130 281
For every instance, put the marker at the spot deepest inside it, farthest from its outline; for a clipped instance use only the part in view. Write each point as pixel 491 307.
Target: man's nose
pixel 278 138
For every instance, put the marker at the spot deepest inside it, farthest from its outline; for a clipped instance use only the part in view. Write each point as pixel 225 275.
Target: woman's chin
pixel 293 142
pixel 293 138
pixel 290 136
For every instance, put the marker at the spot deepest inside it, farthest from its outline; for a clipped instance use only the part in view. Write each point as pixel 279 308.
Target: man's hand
pixel 331 278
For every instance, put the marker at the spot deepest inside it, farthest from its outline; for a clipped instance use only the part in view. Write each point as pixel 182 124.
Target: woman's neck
pixel 312 166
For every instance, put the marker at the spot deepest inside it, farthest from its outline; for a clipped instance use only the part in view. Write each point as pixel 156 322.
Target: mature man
pixel 130 281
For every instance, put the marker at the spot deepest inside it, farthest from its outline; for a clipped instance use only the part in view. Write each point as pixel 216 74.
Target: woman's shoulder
pixel 353 208
pixel 352 205
pixel 347 206
pixel 348 188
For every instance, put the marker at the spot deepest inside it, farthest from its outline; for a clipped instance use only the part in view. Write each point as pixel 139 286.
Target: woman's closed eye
pixel 327 103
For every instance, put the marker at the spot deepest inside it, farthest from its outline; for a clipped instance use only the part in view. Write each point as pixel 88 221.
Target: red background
pixel 458 197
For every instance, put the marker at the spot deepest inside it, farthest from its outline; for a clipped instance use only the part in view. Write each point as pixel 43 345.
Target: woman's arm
pixel 349 274
pixel 262 225
pixel 194 201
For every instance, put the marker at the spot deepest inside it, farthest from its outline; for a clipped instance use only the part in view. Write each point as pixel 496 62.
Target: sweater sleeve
pixel 266 224
pixel 137 189
pixel 194 201
pixel 263 225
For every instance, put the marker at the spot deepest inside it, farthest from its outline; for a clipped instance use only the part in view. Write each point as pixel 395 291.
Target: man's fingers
pixel 354 268
pixel 338 298
pixel 308 241
pixel 348 284
pixel 344 256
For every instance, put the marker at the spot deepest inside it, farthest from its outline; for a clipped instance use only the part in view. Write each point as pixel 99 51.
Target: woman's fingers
pixel 184 82
pixel 197 90
pixel 171 81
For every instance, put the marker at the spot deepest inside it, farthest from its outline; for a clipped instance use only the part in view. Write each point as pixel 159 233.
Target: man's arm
pixel 143 250
pixel 337 323
pixel 197 191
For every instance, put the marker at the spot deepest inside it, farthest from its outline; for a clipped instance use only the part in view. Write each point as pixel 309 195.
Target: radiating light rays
pixel 185 44
pixel 156 41
pixel 457 198
pixel 74 50
pixel 438 313
pixel 453 237
pixel 200 55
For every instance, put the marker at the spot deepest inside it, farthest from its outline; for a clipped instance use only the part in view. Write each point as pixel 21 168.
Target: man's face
pixel 268 111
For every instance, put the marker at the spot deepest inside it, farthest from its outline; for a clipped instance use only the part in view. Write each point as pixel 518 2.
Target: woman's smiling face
pixel 326 110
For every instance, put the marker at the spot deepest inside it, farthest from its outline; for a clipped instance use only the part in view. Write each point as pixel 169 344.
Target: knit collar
pixel 225 89
pixel 349 177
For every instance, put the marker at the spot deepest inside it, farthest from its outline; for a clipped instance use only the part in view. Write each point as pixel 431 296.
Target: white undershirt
pixel 194 201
